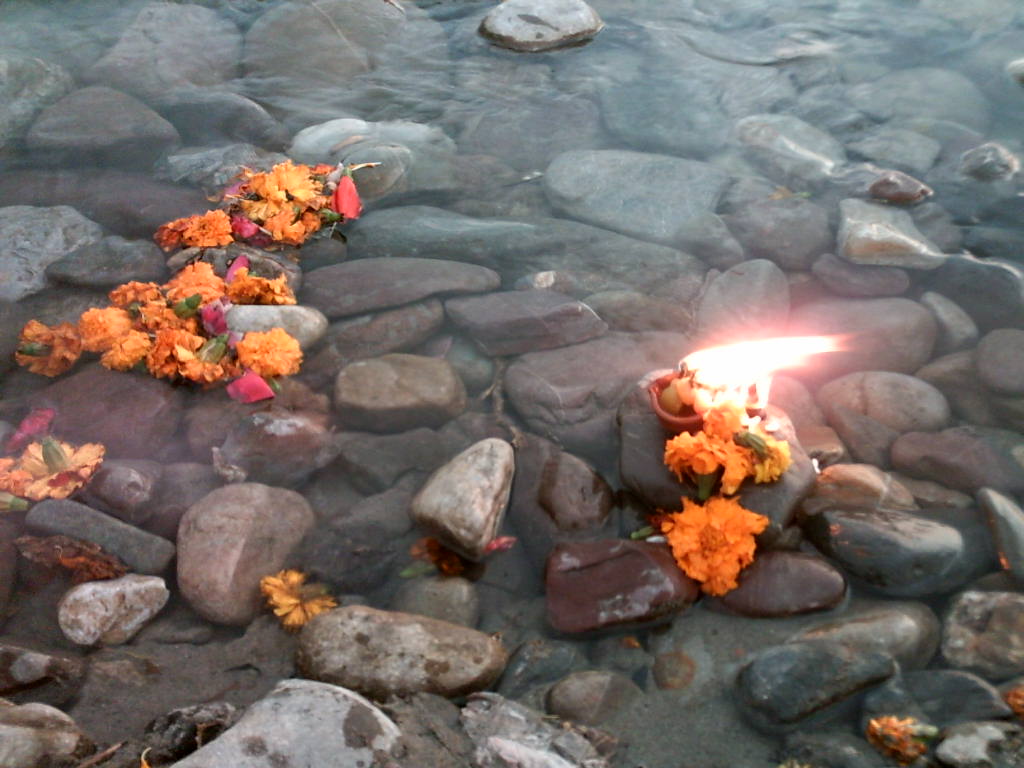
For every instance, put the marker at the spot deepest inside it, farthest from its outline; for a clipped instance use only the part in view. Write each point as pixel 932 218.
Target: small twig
pixel 102 757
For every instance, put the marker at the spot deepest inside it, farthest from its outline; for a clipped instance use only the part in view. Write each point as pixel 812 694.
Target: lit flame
pixel 742 372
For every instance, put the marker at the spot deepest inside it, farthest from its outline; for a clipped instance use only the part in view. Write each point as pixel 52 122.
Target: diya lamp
pixel 738 373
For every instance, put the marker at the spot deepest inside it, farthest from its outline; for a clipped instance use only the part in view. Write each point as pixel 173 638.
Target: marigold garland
pixel 207 230
pixel 135 292
pixel 713 542
pixel 196 278
pixel 127 351
pixel 101 328
pixel 250 289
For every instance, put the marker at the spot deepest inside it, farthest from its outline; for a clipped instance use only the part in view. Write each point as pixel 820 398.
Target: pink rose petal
pixel 214 316
pixel 239 263
pixel 250 387
pixel 34 425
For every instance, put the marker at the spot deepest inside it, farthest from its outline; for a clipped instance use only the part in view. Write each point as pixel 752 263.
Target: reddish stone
pixel 613 583
pixel 785 584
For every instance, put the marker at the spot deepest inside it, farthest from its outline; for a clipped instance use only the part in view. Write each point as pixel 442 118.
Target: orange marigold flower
pixel 58 469
pixel 714 542
pixel 48 351
pixel 905 740
pixel 250 289
pixel 283 228
pixel 723 421
pixel 310 222
pixel 135 293
pixel 197 277
pixel 210 230
pixel 702 454
pixel 124 353
pixel 170 349
pixel 156 315
pixel 270 353
pixel 293 601
pixel 430 550
pixel 1014 699
pixel 100 328
pixel 13 479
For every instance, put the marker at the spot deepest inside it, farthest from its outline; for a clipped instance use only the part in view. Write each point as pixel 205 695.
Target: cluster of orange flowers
pixel 284 205
pixel 904 740
pixel 724 443
pixel 293 601
pixel 47 469
pixel 175 331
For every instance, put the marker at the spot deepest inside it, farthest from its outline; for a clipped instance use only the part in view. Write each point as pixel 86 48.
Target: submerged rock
pixel 880 235
pixel 111 611
pixel 539 25
pixel 38 734
pixel 384 653
pixel 982 633
pixel 780 583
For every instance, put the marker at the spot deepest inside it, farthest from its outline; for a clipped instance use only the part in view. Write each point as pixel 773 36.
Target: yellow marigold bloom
pixel 58 469
pixel 261 209
pixel 903 739
pixel 197 277
pixel 127 351
pixel 250 289
pixel 170 349
pixel 135 293
pixel 777 461
pixel 293 601
pixel 270 353
pixel 101 328
pixel 714 542
pixel 48 351
pixel 156 315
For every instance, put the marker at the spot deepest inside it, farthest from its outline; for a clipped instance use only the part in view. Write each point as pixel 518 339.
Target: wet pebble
pixel 592 696
pixel 784 583
pixel 784 685
pixel 305 324
pixel 999 360
pixel 110 262
pixel 673 670
pixel 38 734
pixel 964 458
pixel 859 281
pixel 140 551
pixel 789 150
pixel 29 85
pixel 956 328
pixel 989 162
pixel 365 285
pixel 893 334
pixel 940 697
pixel 513 322
pixel 992 743
pixel 898 147
pixel 336 726
pixel 540 25
pixel 112 611
pixel 595 585
pixel 398 392
pixel 896 553
pixel 879 235
pixel 536 663
pixel 181 485
pixel 901 402
pixel 955 377
pixel 631 311
pixel 41 676
pixel 899 188
pixel 931 494
pixel 385 653
pixel 991 292
pixel 982 631
pixel 1006 519
pixel 452 599
pixel 464 501
pixel 749 300
pixel 791 232
pixel 229 540
pixel 124 488
pixel 857 486
pixel 907 631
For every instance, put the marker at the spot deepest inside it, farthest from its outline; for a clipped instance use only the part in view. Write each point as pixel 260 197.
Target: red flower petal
pixel 500 544
pixel 249 388
pixel 345 199
pixel 241 261
pixel 32 426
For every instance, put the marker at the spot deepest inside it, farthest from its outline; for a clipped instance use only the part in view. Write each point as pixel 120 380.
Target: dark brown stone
pixel 785 584
pixel 612 584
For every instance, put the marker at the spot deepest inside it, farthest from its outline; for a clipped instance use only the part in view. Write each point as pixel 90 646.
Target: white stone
pixel 111 611
pixel 305 324
pixel 538 25
pixel 464 501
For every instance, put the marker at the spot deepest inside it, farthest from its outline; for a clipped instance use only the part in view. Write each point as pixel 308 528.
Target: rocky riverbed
pixel 568 197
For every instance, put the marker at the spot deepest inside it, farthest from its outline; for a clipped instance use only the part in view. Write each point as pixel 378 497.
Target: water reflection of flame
pixel 742 372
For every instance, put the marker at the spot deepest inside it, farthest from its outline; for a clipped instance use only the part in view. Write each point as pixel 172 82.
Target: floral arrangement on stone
pixel 177 331
pixel 712 407
pixel 38 466
pixel 904 740
pixel 282 206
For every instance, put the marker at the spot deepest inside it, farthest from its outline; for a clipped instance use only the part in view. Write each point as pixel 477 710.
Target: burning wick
pixel 740 373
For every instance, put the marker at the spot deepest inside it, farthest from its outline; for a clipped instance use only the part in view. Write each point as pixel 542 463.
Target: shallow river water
pixel 541 230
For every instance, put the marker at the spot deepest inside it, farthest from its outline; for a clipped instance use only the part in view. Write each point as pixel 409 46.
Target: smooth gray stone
pixel 1006 519
pixel 792 232
pixel 788 150
pixel 956 328
pixel 540 25
pixel 999 360
pixel 940 697
pixel 749 300
pixel 859 281
pixel 142 552
pixel 981 633
pixel 651 197
pixel 880 235
pixel 898 401
pixel 27 85
pixel 923 93
pixel 899 148
pixel 991 291
pixel 965 458
pixel 110 262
